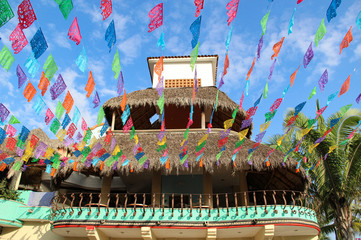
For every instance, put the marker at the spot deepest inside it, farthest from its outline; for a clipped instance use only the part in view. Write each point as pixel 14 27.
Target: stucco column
pixel 106 185
pixel 207 188
pixel 15 180
pixel 243 186
pixel 156 186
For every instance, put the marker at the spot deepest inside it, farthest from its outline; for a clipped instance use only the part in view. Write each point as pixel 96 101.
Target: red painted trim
pixel 172 227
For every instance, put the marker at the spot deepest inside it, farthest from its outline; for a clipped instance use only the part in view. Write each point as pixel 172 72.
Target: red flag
pixel 226 65
pixel 74 32
pixel 68 102
pixel 43 84
pixel 277 48
pixel 346 40
pixel 345 86
pixel 26 14
pixel 18 39
pixel 34 140
pixel 293 76
pixel 232 8
pixel 11 143
pixel 251 69
pixel 29 91
pixel 106 7
pixel 90 84
pixel 156 17
pixel 299 1
pixel 199 5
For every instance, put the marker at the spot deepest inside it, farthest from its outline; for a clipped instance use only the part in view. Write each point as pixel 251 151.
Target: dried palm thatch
pixel 148 140
pixel 143 105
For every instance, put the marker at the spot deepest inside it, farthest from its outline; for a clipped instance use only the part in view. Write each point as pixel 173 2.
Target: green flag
pixel 101 115
pixel 312 93
pixel 116 65
pixel 264 22
pixel 59 111
pixel 194 55
pixel 55 125
pixel 215 106
pixel 65 7
pixel 234 114
pixel 310 123
pixel 265 91
pixel 132 133
pixel 13 120
pixel 344 109
pixel 321 31
pixel 50 67
pixel 6 59
pixel 160 103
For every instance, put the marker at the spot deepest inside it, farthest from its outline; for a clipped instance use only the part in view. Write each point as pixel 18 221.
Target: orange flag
pixel 158 68
pixel 226 65
pixel 346 40
pixel 277 48
pixel 293 76
pixel 251 69
pixel 68 102
pixel 90 85
pixel 345 86
pixel 124 102
pixel 29 91
pixel 43 84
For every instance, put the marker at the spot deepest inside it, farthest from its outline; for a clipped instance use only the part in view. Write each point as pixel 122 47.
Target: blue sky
pixel 135 44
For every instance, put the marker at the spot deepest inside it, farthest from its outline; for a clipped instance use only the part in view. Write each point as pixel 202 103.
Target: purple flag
pixel 260 44
pixel 323 80
pixel 58 87
pixel 185 164
pixel 225 133
pixel 96 100
pixel 146 164
pixel 161 135
pixel 160 87
pixel 271 69
pixel 21 76
pixel 115 165
pixel 68 141
pixel 79 137
pixel 260 136
pixel 4 112
pixel 20 151
pixel 358 99
pixel 120 85
pixel 308 56
pixel 136 148
pixel 320 139
pixel 246 123
pixel 221 83
pixel 40 150
pixel 195 80
pixel 97 147
pixel 112 146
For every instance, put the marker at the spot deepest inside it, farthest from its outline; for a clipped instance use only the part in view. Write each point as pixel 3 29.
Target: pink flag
pixel 276 104
pixel 84 126
pixel 48 116
pixel 18 39
pixel 232 8
pixel 128 125
pixel 156 17
pixel 11 130
pixel 74 32
pixel 199 5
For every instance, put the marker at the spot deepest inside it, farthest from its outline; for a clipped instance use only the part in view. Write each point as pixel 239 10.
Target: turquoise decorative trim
pixel 308 215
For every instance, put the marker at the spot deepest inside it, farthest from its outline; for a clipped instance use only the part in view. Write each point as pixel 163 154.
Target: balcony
pixel 233 215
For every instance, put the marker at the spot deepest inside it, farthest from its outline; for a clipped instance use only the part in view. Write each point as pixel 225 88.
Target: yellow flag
pixel 332 148
pixel 136 139
pixel 81 146
pixel 204 138
pixel 160 143
pixel 305 131
pixel 264 126
pixel 242 134
pixel 228 123
pixel 61 134
pixel 310 149
pixel 184 140
pixel 92 141
pixel 26 156
pixel 49 152
pixel 116 150
pixel 279 141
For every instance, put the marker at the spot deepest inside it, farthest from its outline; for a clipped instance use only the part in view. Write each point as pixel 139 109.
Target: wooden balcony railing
pixel 299 202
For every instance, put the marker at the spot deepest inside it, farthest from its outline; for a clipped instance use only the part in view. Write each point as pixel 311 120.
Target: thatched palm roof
pixel 143 105
pixel 148 141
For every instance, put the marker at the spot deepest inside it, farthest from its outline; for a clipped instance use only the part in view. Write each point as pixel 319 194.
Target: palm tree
pixel 336 180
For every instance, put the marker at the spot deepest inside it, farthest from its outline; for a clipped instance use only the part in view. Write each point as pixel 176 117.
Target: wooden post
pixel 106 185
pixel 208 187
pixel 15 180
pixel 203 119
pixel 243 185
pixel 113 120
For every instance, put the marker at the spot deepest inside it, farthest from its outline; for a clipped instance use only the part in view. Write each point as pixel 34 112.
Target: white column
pixel 113 120
pixel 146 233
